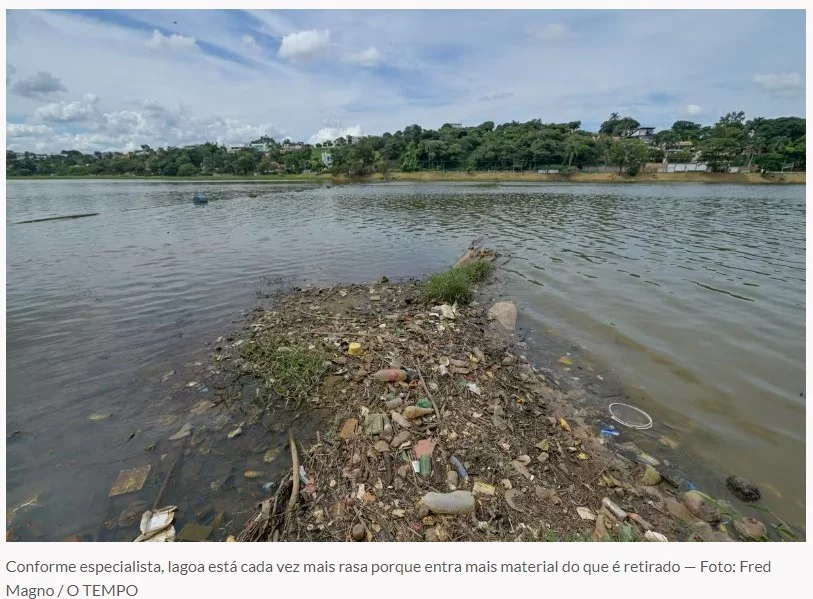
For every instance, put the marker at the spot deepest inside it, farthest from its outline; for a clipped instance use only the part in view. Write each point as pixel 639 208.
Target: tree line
pixel 758 143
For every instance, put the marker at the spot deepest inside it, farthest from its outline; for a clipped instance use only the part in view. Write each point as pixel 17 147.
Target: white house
pixel 327 158
pixel 235 149
pixel 260 146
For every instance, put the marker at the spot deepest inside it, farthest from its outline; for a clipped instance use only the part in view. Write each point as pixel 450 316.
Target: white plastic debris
pixel 156 526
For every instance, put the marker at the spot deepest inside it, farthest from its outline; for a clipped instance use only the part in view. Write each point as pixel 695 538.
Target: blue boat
pixel 200 199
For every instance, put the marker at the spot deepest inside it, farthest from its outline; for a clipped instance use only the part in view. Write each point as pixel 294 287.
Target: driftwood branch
pixel 294 478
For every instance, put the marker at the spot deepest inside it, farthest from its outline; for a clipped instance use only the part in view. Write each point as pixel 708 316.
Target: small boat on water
pixel 200 199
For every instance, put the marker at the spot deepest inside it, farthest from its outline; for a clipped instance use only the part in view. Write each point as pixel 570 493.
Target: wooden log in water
pixel 70 216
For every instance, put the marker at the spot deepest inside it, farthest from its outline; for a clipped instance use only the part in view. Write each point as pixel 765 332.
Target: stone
pixel 348 428
pixel 743 489
pixel 650 477
pixel 750 529
pixel 452 478
pixel 185 431
pixel 359 533
pixel 381 446
pixel 271 455
pixel 194 532
pixel 374 424
pixel 400 420
pixel 505 313
pixel 701 507
pixel 400 438
pixel 651 492
pixel 673 476
pixel 678 510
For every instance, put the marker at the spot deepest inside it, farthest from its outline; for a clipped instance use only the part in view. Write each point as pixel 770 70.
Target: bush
pixel 455 285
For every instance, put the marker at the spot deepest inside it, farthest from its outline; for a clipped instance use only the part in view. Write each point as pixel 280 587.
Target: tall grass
pixel 455 286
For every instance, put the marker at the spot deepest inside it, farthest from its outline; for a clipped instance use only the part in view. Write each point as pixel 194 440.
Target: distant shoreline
pixel 483 176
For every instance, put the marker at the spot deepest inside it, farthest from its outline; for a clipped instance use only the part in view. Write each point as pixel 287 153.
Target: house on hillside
pixel 645 134
pixel 261 146
pixel 292 146
pixel 235 149
pixel 327 159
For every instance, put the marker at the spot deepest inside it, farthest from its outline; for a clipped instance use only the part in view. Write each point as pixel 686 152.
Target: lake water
pixel 693 295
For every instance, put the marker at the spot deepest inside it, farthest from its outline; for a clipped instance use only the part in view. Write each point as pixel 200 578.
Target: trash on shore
pixel 630 416
pixel 130 480
pixel 156 525
pixel 440 429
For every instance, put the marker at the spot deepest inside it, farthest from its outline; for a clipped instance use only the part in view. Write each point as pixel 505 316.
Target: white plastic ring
pixel 646 417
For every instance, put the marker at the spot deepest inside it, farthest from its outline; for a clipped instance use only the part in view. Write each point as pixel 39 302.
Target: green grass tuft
pixel 477 270
pixel 455 285
pixel 289 371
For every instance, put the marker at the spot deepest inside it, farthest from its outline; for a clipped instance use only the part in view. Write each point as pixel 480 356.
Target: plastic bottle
pixel 425 467
pixel 456 502
pixel 390 375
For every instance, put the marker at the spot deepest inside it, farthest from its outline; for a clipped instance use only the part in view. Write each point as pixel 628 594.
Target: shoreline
pixel 486 177
pixel 346 480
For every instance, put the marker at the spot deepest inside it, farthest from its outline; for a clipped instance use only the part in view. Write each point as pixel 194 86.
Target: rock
pixel 743 489
pixel 393 403
pixel 400 420
pixel 235 432
pixel 504 313
pixel 271 455
pixel 651 492
pixel 751 529
pixel 673 476
pixel 400 438
pixel 678 510
pixel 374 424
pixel 359 533
pixel 452 478
pixel 381 446
pixel 650 477
pixel 185 431
pixel 348 428
pixel 656 537
pixel 701 507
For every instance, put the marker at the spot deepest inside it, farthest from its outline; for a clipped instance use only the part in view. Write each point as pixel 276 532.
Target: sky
pixel 101 80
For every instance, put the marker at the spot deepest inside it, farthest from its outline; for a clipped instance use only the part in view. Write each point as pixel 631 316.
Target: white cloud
pixel 780 82
pixel 23 130
pixel 370 57
pixel 332 133
pixel 174 42
pixel 496 96
pixel 304 45
pixel 250 43
pixel 694 109
pixel 37 86
pixel 554 32
pixel 66 112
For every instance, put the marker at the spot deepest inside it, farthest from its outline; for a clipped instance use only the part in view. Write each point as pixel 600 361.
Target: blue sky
pixel 113 80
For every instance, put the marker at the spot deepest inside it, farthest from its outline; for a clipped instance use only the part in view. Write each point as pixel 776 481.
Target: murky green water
pixel 693 294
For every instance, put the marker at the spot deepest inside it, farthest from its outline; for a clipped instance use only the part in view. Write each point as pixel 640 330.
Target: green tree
pixel 631 154
pixel 409 163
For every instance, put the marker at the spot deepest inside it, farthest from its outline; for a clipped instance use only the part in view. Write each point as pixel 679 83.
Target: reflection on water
pixel 694 294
